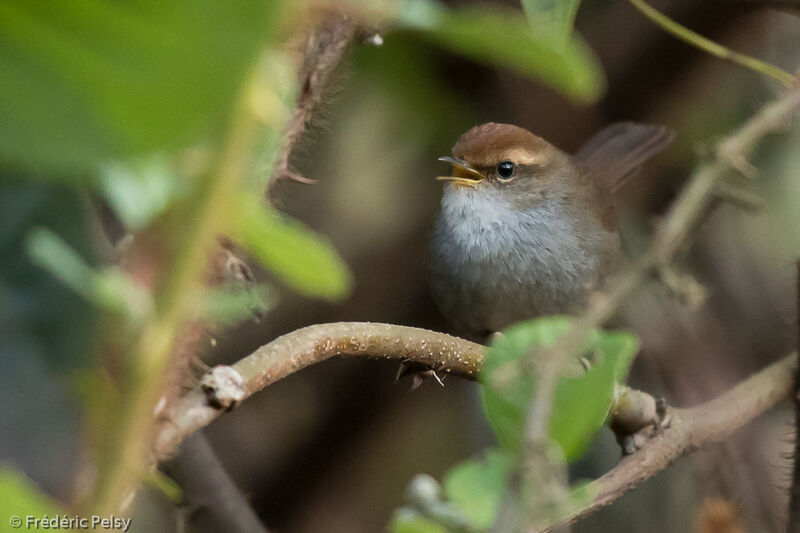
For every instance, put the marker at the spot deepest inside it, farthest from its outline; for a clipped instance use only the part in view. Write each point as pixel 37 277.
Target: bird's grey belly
pixel 507 275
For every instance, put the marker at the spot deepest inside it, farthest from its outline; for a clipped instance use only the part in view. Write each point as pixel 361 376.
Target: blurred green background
pixel 332 448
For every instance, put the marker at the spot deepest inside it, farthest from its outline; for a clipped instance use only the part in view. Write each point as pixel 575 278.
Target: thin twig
pixel 682 218
pixel 695 39
pixel 213 501
pixel 689 206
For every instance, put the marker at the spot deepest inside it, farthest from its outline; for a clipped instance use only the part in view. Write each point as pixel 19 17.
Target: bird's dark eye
pixel 506 170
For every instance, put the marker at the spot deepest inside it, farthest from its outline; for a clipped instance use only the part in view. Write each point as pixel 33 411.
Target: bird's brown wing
pixel 614 153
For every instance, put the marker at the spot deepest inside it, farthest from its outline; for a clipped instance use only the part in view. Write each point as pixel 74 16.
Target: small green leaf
pixel 477 487
pixel 501 37
pixel 111 288
pixel 300 258
pixel 50 251
pixel 580 404
pixel 407 520
pixel 139 190
pixel 552 17
pixel 507 389
pixel 21 498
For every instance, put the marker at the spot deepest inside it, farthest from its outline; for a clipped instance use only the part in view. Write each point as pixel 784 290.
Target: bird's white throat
pixel 485 224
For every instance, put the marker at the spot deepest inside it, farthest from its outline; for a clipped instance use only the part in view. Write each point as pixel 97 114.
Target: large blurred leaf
pixel 503 37
pixel 477 487
pixel 300 258
pixel 552 17
pixel 88 81
pixel 21 498
pixel 580 404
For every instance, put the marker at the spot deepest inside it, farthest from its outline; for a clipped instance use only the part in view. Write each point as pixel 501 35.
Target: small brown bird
pixel 526 229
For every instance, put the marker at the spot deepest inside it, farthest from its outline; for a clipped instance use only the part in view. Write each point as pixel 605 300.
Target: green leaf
pixel 507 390
pixel 89 81
pixel 111 288
pixel 407 520
pixel 305 261
pixel 581 403
pixel 22 498
pixel 477 487
pixel 49 251
pixel 552 17
pixel 141 189
pixel 501 37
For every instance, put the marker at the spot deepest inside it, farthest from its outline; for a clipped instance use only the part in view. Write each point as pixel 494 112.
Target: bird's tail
pixel 615 152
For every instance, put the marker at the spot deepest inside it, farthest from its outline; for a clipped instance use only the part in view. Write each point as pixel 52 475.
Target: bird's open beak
pixel 463 174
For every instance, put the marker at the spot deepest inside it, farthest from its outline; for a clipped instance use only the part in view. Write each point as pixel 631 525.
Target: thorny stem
pixel 326 46
pixel 301 348
pixel 149 358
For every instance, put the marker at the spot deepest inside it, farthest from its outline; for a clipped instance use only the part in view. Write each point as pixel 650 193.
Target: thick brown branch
pixel 213 501
pixel 690 429
pixel 298 349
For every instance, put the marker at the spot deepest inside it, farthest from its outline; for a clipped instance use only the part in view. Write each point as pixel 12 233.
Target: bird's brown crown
pixel 487 144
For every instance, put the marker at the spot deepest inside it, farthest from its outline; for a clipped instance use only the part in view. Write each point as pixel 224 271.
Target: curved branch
pixel 689 430
pixel 304 347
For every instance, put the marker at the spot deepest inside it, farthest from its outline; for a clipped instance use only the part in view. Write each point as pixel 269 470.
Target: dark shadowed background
pixel 332 447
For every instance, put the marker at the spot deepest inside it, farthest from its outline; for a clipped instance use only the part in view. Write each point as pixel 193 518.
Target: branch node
pixel 223 387
pixel 636 417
